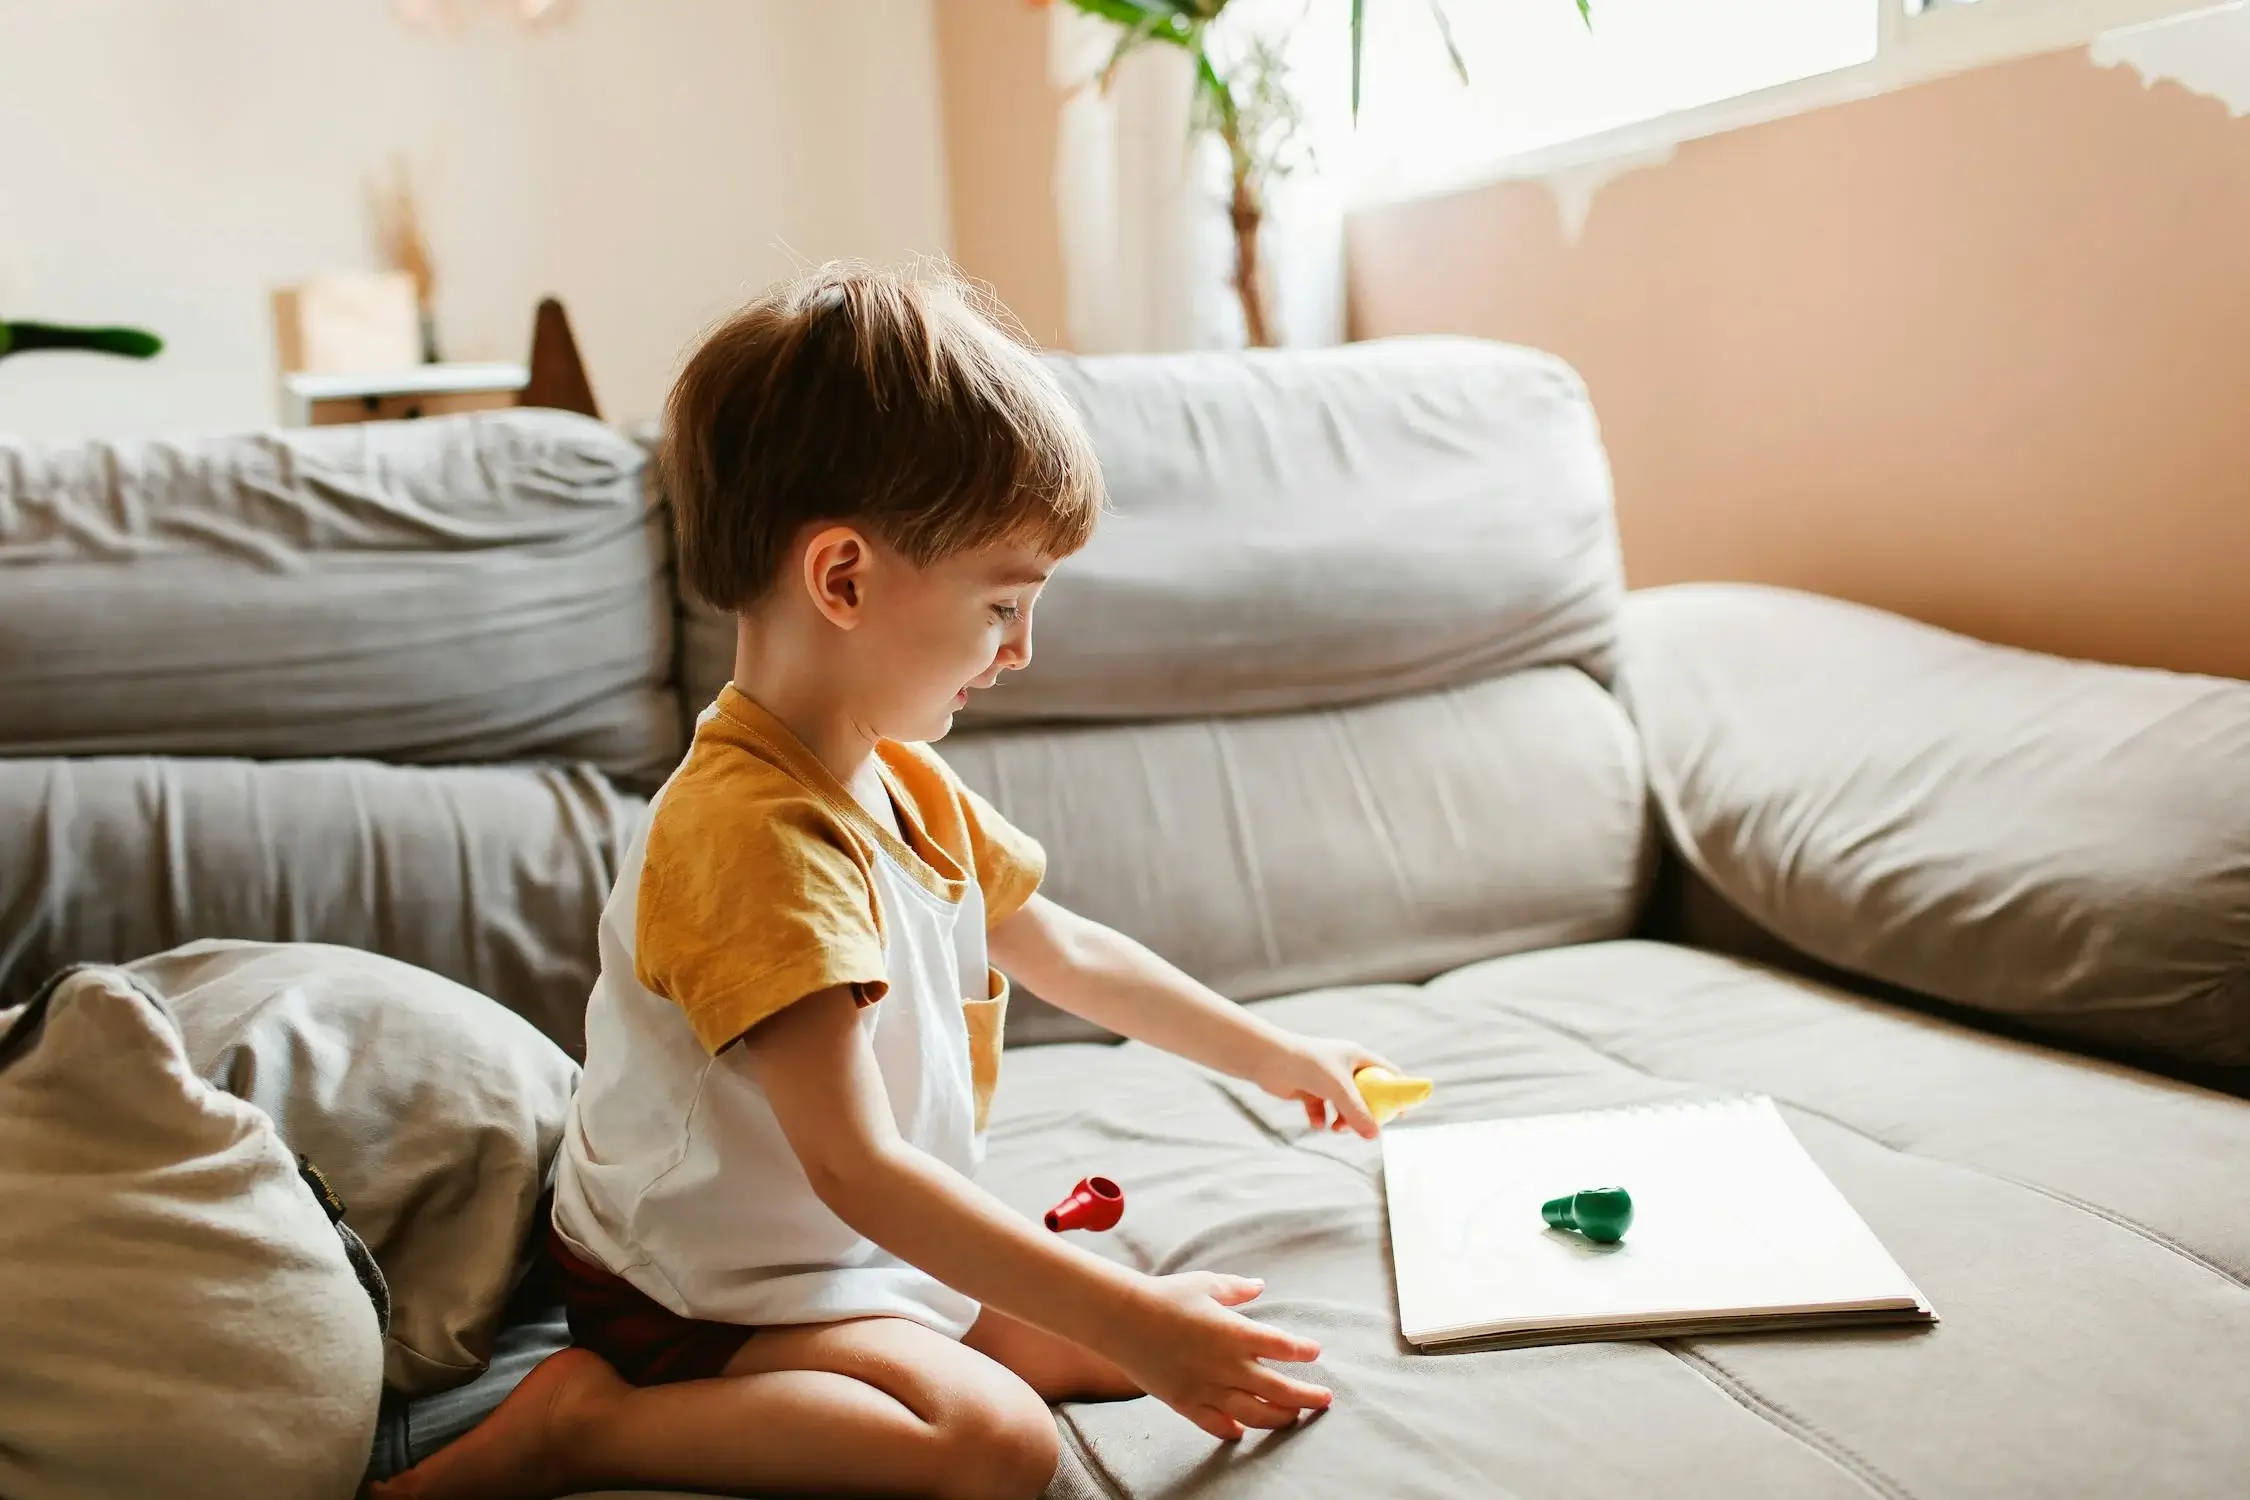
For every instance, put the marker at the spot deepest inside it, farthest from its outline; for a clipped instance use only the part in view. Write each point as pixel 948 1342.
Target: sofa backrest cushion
pixel 1386 841
pixel 1309 529
pixel 493 876
pixel 458 589
pixel 2063 843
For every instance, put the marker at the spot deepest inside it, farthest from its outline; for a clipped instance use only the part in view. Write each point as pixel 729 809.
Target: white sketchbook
pixel 1734 1230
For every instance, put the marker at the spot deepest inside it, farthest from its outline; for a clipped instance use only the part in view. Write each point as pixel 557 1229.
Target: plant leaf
pixel 1359 38
pixel 1445 34
pixel 1155 18
pixel 1586 13
pixel 1123 12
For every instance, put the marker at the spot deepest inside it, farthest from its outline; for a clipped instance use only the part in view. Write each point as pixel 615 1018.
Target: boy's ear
pixel 835 574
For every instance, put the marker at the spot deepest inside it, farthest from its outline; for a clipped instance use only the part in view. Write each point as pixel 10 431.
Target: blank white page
pixel 1731 1220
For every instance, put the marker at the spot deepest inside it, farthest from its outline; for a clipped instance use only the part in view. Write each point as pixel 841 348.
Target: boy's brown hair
pixel 898 401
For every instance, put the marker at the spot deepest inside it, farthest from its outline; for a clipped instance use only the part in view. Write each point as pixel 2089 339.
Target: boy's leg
pixel 1056 1368
pixel 879 1406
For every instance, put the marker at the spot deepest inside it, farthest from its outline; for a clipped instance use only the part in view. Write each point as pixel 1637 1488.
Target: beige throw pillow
pixel 434 1112
pixel 178 1316
pixel 2063 843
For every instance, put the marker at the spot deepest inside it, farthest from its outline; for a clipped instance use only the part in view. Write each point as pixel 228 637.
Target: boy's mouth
pixel 961 699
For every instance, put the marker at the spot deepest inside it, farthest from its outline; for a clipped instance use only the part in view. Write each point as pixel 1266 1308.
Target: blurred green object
pixel 23 338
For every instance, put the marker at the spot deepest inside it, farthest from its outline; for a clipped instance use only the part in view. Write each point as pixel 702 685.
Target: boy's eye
pixel 1007 614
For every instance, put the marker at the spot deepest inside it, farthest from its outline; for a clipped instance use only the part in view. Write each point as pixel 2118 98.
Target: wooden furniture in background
pixel 403 394
pixel 348 321
pixel 558 376
pixel 555 377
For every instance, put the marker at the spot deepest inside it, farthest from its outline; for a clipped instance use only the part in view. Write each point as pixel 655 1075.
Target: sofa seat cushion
pixel 2080 1228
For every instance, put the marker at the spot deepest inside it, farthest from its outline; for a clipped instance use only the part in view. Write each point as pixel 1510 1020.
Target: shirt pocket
pixel 987 1021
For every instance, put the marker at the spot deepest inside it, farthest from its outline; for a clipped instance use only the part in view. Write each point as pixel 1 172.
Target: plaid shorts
pixel 643 1340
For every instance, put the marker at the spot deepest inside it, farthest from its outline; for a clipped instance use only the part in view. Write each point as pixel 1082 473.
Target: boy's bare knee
pixel 1000 1447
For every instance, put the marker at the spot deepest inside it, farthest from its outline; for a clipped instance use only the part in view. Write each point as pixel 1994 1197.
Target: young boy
pixel 779 1274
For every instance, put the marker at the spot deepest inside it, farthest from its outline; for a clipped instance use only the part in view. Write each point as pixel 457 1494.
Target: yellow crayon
pixel 1389 1094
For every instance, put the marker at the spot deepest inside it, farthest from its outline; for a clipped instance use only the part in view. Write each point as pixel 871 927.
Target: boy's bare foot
pixel 519 1452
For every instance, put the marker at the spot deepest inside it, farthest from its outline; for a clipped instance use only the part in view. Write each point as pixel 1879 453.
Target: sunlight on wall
pixel 1538 76
pixel 2208 53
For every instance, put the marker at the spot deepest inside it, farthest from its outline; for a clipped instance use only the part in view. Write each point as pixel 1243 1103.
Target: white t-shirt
pixel 757 881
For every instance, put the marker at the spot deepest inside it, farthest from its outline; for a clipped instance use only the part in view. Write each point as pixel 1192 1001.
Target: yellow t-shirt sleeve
pixel 751 898
pixel 1009 862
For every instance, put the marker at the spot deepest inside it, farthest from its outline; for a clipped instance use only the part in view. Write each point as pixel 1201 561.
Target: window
pixel 1547 92
pixel 1539 76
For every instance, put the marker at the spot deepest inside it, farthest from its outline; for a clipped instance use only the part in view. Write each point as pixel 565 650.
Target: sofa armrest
pixel 2060 843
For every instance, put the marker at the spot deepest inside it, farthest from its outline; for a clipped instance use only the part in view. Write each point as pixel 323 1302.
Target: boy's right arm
pixel 1176 1335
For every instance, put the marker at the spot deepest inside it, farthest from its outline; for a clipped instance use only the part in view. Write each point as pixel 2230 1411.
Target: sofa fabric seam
pixel 1770 1411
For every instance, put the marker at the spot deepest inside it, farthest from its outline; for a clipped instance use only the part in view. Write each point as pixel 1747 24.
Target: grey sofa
pixel 1348 711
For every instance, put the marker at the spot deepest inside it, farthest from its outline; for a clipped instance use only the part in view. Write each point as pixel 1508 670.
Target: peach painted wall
pixel 1977 351
pixel 1000 137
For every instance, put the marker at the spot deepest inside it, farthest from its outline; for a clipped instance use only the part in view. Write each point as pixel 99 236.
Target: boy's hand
pixel 1186 1346
pixel 1317 1072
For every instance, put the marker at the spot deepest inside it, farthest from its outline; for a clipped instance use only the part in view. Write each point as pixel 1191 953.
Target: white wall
pixel 168 162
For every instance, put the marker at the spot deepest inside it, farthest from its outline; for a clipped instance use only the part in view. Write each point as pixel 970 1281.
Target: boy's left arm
pixel 1095 972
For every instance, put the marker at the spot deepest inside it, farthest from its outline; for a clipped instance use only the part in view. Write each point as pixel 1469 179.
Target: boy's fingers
pixel 1233 1291
pixel 1221 1426
pixel 1277 1343
pixel 1251 1412
pixel 1316 1109
pixel 1277 1389
pixel 1354 1110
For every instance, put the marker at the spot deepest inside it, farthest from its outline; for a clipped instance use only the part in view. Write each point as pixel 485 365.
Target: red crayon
pixel 1096 1204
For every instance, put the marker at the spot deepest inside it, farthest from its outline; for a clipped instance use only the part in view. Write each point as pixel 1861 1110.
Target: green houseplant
pixel 1246 102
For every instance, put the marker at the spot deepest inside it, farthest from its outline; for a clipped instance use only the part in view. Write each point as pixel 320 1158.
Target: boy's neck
pixel 799 699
